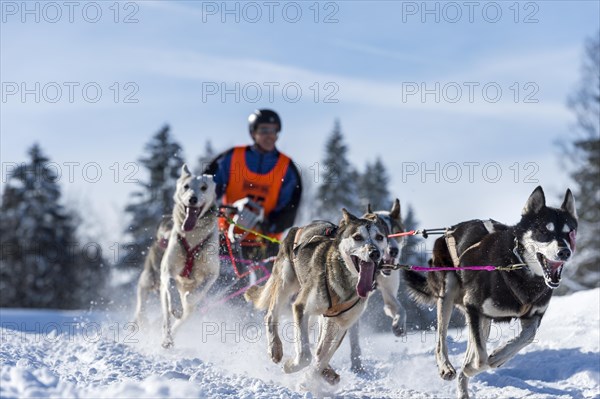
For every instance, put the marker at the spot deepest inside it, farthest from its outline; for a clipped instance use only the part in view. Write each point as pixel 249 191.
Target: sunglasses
pixel 267 130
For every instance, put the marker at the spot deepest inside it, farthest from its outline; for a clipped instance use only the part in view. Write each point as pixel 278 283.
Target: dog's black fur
pixel 543 240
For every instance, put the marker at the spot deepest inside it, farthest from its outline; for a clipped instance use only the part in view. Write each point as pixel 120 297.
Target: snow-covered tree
pixel 338 186
pixel 41 264
pixel 373 186
pixel 154 198
pixel 585 154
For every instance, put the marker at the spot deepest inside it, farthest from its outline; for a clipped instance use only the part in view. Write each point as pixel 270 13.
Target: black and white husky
pixel 543 240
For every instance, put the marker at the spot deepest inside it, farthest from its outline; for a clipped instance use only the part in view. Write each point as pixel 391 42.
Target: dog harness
pixel 335 307
pixel 451 241
pixel 262 188
pixel 191 254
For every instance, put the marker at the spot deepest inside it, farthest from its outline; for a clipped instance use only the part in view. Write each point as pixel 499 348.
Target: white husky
pixel 190 264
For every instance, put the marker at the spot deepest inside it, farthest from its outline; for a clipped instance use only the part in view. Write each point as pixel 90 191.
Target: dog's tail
pixel 282 276
pixel 260 296
pixel 418 287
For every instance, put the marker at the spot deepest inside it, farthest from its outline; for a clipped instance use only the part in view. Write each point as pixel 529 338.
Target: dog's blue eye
pixel 358 237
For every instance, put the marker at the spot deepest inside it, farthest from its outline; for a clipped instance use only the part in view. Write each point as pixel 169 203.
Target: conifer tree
pixel 41 263
pixel 154 198
pixel 585 154
pixel 373 186
pixel 338 180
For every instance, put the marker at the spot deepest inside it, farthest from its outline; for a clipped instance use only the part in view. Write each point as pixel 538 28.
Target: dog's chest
pixel 495 310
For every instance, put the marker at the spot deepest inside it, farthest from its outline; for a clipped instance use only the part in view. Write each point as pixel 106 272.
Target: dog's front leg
pixel 166 313
pixel 144 286
pixel 190 299
pixel 392 307
pixel 509 350
pixel 303 355
pixel 476 358
pixel 330 338
pixel 355 352
pixel 445 304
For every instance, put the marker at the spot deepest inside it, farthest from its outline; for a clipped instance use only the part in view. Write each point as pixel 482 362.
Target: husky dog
pixel 387 282
pixel 543 240
pixel 331 276
pixel 149 280
pixel 190 264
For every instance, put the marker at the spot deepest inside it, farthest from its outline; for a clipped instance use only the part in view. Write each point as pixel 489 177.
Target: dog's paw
pixel 495 362
pixel 276 351
pixel 292 366
pixel 447 372
pixel 168 343
pixel 177 312
pixel 398 329
pixel 357 367
pixel 330 376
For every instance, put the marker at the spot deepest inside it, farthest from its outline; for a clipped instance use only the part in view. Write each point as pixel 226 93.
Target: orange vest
pixel 262 188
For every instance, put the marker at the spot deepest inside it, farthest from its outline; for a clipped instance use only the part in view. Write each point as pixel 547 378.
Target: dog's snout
pixel 564 253
pixel 394 252
pixel 193 200
pixel 374 254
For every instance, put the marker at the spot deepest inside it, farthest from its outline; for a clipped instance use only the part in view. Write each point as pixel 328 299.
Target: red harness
pixel 191 254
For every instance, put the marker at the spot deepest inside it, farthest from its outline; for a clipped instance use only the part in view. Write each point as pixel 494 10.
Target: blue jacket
pixel 282 217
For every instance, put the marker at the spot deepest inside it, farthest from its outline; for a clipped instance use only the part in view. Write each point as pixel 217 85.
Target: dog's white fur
pixel 179 294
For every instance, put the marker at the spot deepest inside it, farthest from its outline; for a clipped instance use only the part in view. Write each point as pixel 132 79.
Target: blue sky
pixel 373 59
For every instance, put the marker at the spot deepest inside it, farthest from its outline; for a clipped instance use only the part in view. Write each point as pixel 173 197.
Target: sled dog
pixel 543 240
pixel 331 275
pixel 190 264
pixel 387 282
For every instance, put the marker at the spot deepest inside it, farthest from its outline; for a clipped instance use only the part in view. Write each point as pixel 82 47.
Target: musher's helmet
pixel 263 116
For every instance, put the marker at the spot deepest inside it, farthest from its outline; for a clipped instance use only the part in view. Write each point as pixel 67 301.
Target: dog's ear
pixel 185 171
pixel 536 201
pixel 369 209
pixel 569 204
pixel 347 216
pixel 395 212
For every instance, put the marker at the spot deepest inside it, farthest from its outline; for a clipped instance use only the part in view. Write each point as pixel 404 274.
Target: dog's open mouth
pixel 389 260
pixel 552 270
pixel 191 216
pixel 366 271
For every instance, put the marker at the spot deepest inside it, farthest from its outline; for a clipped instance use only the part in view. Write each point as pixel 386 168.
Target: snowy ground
pixel 222 354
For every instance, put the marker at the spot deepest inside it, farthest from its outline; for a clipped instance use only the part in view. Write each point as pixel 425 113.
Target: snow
pixel 222 353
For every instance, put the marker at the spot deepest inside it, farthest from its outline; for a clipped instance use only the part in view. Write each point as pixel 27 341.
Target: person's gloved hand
pixel 248 214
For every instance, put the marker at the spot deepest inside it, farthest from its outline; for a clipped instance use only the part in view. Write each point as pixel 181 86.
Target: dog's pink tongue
pixel 554 265
pixel 191 215
pixel 365 278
